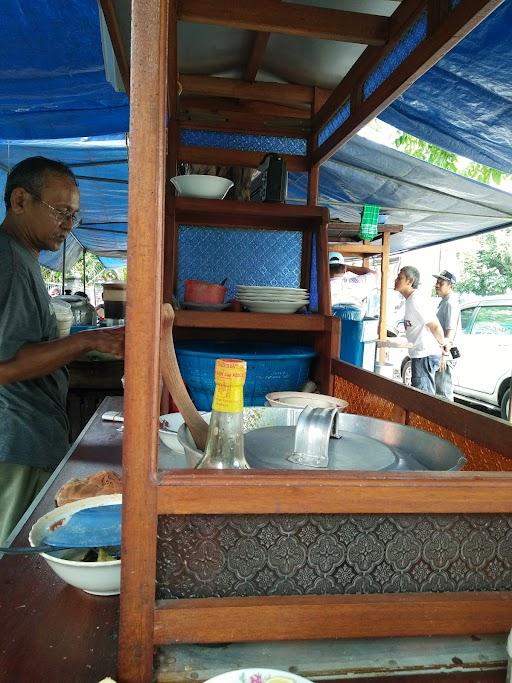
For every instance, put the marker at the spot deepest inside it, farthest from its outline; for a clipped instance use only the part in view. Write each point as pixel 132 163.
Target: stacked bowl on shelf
pixel 272 299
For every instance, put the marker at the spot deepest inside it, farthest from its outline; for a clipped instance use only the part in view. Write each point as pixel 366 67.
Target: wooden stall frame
pixel 344 616
pixel 366 249
pixel 147 182
pixel 142 622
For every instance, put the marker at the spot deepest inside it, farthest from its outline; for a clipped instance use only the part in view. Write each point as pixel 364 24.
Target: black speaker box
pixel 271 183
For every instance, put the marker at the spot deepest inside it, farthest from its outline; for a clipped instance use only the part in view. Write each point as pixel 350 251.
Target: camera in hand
pixel 455 352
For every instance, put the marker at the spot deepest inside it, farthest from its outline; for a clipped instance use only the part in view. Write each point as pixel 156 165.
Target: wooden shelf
pixel 339 229
pixel 251 321
pixel 227 213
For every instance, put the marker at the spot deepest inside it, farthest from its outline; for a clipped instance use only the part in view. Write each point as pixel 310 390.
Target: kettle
pixel 83 312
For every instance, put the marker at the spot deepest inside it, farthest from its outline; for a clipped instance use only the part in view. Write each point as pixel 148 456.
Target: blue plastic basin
pixel 270 367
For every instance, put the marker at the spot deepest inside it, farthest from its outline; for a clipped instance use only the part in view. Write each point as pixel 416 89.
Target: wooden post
pixel 384 270
pixel 510 402
pixel 170 237
pixel 144 296
pixel 312 198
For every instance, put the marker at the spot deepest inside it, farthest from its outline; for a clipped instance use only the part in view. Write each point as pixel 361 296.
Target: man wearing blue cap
pixel 350 285
pixel 448 313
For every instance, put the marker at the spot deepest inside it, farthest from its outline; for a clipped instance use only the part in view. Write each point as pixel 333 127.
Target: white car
pixel 482 374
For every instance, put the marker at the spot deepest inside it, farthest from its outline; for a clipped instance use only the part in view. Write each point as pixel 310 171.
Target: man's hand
pixel 106 340
pixel 39 359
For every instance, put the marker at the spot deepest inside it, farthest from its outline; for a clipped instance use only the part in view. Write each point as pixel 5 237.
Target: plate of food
pixel 258 675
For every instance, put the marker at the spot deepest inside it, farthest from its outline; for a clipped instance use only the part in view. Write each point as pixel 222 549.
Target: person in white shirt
pixel 423 331
pixel 350 284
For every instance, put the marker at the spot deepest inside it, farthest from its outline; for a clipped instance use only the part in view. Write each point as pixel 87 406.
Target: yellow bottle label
pixel 229 381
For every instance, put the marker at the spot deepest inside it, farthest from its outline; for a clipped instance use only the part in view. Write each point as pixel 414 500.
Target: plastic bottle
pixel 225 441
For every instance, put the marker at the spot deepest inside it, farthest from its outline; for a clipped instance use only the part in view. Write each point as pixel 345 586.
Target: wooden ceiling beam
pixel 440 39
pixel 122 59
pixel 215 156
pixel 274 16
pixel 231 87
pixel 256 57
pixel 246 124
pixel 227 106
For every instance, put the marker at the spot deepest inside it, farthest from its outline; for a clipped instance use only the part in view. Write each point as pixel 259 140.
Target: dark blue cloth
pixel 463 103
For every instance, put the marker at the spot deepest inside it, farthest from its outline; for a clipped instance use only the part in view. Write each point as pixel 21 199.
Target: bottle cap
pixel 230 370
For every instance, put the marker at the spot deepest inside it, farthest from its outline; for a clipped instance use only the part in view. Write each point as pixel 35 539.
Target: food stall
pixel 157 214
pixel 432 586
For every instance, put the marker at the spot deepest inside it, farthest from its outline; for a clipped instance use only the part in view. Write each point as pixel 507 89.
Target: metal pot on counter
pixel 83 312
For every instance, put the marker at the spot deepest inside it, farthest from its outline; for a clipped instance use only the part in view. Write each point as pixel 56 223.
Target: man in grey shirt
pixel 448 313
pixel 42 203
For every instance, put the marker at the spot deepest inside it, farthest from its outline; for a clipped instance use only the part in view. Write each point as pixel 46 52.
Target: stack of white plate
pixel 272 299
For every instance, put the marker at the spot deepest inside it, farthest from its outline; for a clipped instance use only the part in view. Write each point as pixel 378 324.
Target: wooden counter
pixel 52 631
pixel 90 382
pixel 57 633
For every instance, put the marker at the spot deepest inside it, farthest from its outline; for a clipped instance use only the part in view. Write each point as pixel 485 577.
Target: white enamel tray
pixel 258 675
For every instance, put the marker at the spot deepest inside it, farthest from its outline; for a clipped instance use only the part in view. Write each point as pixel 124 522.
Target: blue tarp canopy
pixel 464 102
pixel 52 74
pixel 53 85
pixel 101 166
pixel 434 205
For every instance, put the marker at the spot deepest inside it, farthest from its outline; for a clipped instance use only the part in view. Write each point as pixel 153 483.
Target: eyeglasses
pixel 62 215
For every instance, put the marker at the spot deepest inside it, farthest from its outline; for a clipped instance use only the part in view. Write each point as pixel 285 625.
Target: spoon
pixel 174 382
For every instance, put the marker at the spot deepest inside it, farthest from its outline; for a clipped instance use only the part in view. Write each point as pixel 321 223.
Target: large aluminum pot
pixel 414 448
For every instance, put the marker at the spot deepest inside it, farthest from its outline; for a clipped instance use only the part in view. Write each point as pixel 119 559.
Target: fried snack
pixel 100 483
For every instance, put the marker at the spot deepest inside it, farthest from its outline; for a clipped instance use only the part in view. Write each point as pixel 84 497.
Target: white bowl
pixel 273 307
pixel 301 399
pixel 205 186
pixel 169 435
pixel 98 578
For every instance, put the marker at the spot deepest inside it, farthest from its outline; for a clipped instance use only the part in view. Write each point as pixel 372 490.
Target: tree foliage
pixel 489 269
pixel 94 271
pixel 451 162
pixel 425 151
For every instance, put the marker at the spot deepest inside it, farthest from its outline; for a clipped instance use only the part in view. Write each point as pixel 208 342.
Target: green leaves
pixel 489 269
pixel 451 162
